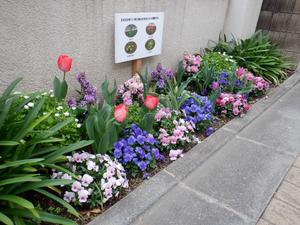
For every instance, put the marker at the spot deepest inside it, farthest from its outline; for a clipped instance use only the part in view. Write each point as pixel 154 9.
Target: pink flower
pixel 246 106
pixel 235 111
pixel 194 69
pixel 120 113
pixel 77 158
pixel 249 76
pixel 151 102
pixel 83 195
pixel 215 85
pixel 240 72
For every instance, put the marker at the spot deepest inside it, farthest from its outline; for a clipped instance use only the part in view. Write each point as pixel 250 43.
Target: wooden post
pixel 137 66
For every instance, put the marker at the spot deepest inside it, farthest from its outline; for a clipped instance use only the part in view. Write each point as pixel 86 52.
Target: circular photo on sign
pixel 131 30
pixel 130 47
pixel 151 28
pixel 150 44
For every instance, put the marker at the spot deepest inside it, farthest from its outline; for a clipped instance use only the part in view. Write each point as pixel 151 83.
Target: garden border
pixel 145 195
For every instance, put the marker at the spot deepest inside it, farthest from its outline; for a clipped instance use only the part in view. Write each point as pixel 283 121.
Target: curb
pixel 145 195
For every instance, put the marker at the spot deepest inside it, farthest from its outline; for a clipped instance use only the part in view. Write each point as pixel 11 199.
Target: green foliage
pixel 60 89
pixel 258 54
pixel 100 123
pixel 134 113
pixel 217 62
pixel 26 155
pixel 176 90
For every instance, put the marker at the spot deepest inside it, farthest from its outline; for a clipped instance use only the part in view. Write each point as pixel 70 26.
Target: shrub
pixel 219 62
pixel 99 178
pixel 27 153
pixel 136 150
pixel 258 54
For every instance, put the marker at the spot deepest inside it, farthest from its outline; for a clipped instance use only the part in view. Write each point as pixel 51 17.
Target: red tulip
pixel 151 102
pixel 64 63
pixel 120 113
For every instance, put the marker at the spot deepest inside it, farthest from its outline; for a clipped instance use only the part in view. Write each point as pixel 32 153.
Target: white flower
pixel 83 195
pixel 26 107
pixel 17 93
pixel 44 113
pixel 66 177
pixel 56 114
pixel 59 108
pixel 86 180
pixel 51 95
pixel 92 166
pixel 30 104
pixel 76 186
pixel 66 113
pixel 26 96
pixel 69 196
pixel 22 141
pixel 78 125
pixel 73 107
pixel 44 93
pixel 76 120
pixel 51 91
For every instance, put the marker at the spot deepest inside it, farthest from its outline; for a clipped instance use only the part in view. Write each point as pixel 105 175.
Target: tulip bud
pixel 120 113
pixel 64 63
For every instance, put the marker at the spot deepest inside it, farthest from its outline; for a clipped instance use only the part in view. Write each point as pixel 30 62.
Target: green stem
pixel 64 76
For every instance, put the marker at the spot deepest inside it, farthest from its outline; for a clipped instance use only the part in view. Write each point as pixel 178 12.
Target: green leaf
pixel 6 220
pixel 20 162
pixel 19 180
pixel 59 200
pixel 9 143
pixel 9 89
pixel 17 200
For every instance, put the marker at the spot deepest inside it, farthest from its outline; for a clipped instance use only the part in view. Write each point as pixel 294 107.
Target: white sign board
pixel 138 35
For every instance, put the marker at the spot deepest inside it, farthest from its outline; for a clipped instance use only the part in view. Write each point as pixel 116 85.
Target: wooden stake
pixel 137 66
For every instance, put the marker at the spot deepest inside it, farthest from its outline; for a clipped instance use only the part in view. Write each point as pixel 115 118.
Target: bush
pixel 27 154
pixel 258 54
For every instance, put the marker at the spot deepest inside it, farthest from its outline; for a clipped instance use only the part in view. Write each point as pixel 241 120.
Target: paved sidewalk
pixel 230 177
pixel 284 208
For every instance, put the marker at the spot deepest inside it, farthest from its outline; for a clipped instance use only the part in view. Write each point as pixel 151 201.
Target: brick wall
pixel 281 18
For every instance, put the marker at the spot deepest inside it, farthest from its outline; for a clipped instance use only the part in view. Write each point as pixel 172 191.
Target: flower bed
pixel 78 155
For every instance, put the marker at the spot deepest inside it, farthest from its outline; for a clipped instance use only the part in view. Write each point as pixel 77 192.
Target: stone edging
pixel 143 197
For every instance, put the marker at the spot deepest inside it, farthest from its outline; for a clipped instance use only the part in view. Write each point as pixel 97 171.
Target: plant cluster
pixel 232 104
pixel 257 54
pixel 137 150
pixel 173 131
pixel 159 77
pixel 191 63
pixel 132 90
pixel 98 179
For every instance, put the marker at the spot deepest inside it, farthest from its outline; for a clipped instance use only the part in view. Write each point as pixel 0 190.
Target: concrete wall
pixel 242 18
pixel 281 18
pixel 35 32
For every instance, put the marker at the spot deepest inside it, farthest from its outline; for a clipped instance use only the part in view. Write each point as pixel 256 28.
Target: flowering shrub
pixel 88 93
pixel 173 131
pixel 99 178
pixel 159 77
pixel 137 150
pixel 232 105
pixel 198 112
pixel 132 90
pixel 191 63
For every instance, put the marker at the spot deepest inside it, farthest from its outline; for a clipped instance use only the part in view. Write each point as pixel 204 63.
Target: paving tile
pixel 185 165
pixel 289 193
pixel 263 222
pixel 243 175
pixel 294 176
pixel 180 206
pixel 297 163
pixel 135 203
pixel 280 213
pixel 281 120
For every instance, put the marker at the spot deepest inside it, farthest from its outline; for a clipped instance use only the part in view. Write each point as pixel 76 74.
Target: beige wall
pixel 35 32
